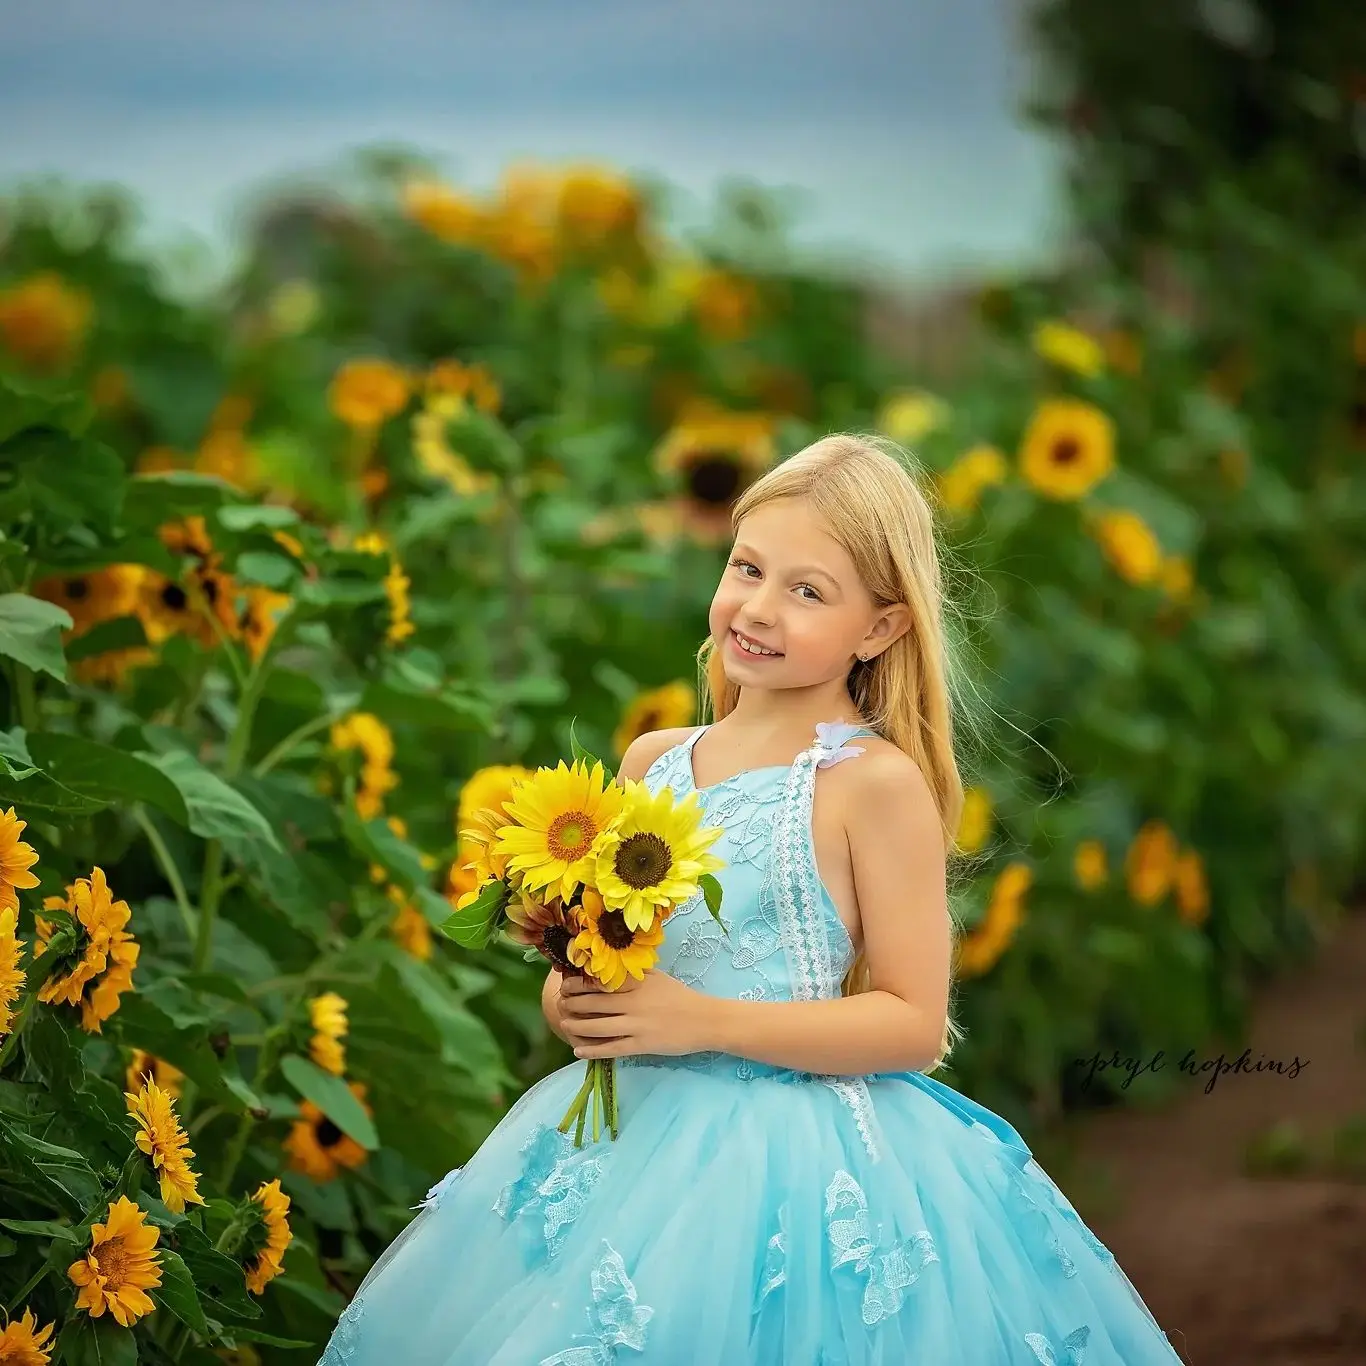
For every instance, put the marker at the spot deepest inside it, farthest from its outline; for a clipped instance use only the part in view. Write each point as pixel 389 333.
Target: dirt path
pixel 1239 1270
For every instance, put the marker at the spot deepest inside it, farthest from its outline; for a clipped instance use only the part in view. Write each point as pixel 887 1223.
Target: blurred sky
pixel 896 117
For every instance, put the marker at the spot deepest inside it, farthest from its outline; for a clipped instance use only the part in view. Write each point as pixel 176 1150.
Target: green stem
pixel 291 742
pixel 209 889
pixel 17 1304
pixel 17 1027
pixel 168 867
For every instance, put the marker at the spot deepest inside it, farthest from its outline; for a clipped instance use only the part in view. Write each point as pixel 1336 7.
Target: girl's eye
pixel 739 563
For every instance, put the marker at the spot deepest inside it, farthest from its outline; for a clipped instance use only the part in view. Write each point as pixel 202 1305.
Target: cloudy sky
pixel 895 119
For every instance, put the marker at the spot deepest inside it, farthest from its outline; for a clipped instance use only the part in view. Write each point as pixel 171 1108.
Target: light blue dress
pixel 749 1213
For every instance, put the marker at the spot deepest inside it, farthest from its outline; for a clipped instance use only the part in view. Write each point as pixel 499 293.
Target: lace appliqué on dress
pixel 345 1340
pixel 432 1200
pixel 1037 1194
pixel 890 1274
pixel 615 1317
pixel 794 885
pixel 555 1182
pixel 1072 1352
pixel 775 1258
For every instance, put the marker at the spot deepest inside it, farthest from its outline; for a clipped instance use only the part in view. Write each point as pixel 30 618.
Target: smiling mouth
pixel 739 645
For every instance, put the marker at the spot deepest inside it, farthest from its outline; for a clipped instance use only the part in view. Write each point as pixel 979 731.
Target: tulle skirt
pixel 746 1221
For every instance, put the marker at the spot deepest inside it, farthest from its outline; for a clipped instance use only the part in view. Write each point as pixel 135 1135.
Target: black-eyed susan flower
pixel 100 595
pixel 1090 865
pixel 556 821
pixel 366 393
pixel 1128 543
pixel 317 1147
pixel 163 1140
pixel 112 666
pixel 608 949
pixel 146 1067
pixel 11 974
pixel 544 923
pixel 672 704
pixel 270 1237
pixel 366 733
pixel 23 1343
pixel 1191 887
pixel 1068 448
pixel 43 320
pixel 16 858
pixel 97 968
pixel 653 855
pixel 121 1266
pixel 327 1015
pixel 1150 863
pixel 1069 348
pixel 974 822
pixel 261 614
pixel 981 948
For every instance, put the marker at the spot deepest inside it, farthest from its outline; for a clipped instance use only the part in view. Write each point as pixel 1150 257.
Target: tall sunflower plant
pixel 584 871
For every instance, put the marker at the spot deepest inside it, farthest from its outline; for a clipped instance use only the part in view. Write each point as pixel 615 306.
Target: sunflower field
pixel 297 577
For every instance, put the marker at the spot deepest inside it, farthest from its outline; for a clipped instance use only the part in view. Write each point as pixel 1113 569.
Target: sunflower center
pixel 210 587
pixel 643 860
pixel 555 944
pixel 1065 450
pixel 112 1261
pixel 76 589
pixel 327 1133
pixel 173 595
pixel 713 477
pixel 571 835
pixel 614 931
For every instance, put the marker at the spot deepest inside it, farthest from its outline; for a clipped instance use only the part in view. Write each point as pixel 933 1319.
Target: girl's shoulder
pixel 642 752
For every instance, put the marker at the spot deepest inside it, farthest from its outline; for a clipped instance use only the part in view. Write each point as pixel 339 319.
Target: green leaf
pixel 254 516
pixel 154 499
pixel 105 774
pixel 31 633
pixel 263 567
pixel 177 1292
pixel 588 759
pixel 218 1279
pixel 22 409
pixel 96 1342
pixel 711 889
pixel 267 1339
pixel 42 1228
pixel 25 786
pixel 375 841
pixel 477 925
pixel 81 482
pixel 216 811
pixel 118 633
pixel 332 1096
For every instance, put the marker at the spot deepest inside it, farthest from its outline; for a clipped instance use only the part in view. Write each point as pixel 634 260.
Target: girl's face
pixel 791 587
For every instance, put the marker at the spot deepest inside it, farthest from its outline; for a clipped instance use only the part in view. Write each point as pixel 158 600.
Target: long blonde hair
pixel 865 490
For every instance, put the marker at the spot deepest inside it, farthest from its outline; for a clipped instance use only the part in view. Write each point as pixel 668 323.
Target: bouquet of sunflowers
pixel 584 870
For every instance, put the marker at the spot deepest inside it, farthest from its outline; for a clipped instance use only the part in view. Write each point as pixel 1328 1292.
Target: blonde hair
pixel 864 489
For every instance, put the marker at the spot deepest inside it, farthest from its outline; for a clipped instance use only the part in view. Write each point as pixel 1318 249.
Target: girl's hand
pixel 658 1015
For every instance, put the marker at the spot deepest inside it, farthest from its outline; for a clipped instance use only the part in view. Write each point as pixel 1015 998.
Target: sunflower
pixel 716 454
pixel 410 929
pixel 317 1147
pixel 396 584
pixel 98 968
pixel 43 320
pixel 1177 578
pixel 596 208
pixel 1068 448
pixel 226 454
pixel 983 945
pixel 725 304
pixel 651 858
pixel 159 460
pixel 672 704
pixel 1129 544
pixel 16 858
pixel 260 616
pixel 22 1344
pixel 445 213
pixel 974 823
pixel 190 537
pixel 1090 865
pixel 608 949
pixel 961 485
pixel 11 974
pixel 268 1261
pixel 189 606
pixel 545 924
pixel 1150 863
pixel 556 821
pixel 100 595
pixel 365 732
pixel 432 446
pixel 112 666
pixel 473 383
pixel 1069 348
pixel 366 393
pixel 519 224
pixel 327 1013
pixel 908 415
pixel 163 1140
pixel 147 1067
pixel 121 1267
pixel 1192 890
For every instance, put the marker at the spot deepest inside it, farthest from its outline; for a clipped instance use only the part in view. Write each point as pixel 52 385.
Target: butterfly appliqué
pixel 616 1317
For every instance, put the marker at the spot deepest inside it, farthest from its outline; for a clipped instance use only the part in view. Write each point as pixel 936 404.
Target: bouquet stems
pixel 598 1094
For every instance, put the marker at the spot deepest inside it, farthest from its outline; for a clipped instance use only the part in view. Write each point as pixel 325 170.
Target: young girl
pixel 788 1185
